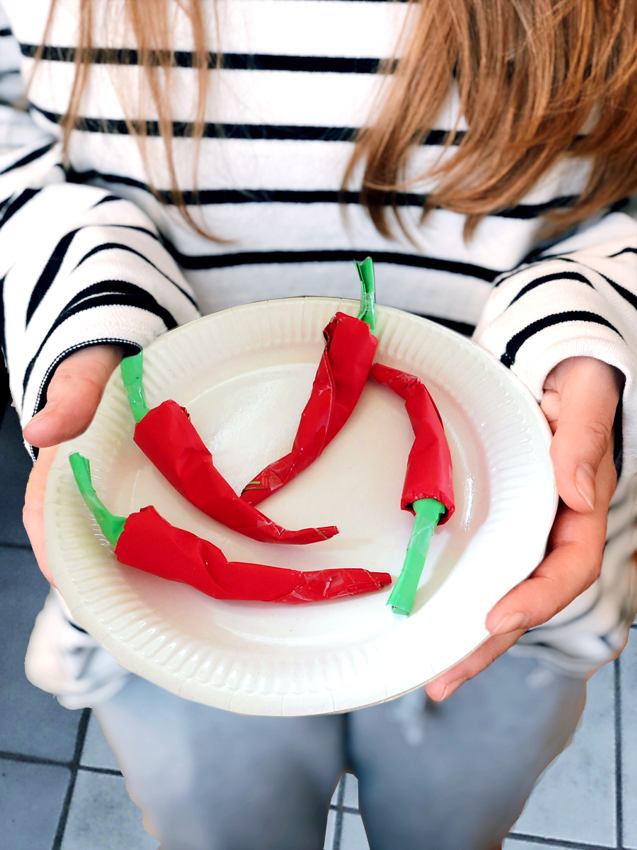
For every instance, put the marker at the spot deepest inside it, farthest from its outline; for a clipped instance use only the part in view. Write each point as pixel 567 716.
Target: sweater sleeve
pixel 78 265
pixel 578 299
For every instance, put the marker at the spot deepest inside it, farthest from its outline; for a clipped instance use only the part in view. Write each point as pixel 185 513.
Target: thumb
pixel 583 434
pixel 73 395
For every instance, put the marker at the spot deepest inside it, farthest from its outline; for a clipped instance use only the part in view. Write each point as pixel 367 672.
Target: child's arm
pixel 578 299
pixel 78 266
pixel 561 324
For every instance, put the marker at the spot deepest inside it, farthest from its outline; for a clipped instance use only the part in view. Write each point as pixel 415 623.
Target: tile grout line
pixel 24 758
pixel 554 842
pixel 348 810
pixel 619 788
pixel 108 771
pixel 27 759
pixel 74 767
pixel 338 822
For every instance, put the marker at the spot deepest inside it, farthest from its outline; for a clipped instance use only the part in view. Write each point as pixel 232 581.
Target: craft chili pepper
pixel 429 473
pixel 350 346
pixel 428 487
pixel 146 541
pixel 170 441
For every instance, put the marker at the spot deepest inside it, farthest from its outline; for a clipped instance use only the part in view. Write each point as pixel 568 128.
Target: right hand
pixel 71 401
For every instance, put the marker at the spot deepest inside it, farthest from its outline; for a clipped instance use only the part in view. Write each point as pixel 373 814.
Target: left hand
pixel 580 401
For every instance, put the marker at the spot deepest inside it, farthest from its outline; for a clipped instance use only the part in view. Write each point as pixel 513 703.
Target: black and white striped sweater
pixel 87 253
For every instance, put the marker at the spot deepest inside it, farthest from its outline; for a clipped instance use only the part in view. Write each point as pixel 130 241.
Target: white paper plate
pixel 245 375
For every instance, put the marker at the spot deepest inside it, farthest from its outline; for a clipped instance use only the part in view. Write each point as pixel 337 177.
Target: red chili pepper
pixel 150 543
pixel 429 474
pixel 146 541
pixel 170 441
pixel 338 384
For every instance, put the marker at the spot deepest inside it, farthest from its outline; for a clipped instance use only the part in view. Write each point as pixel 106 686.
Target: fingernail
pixel 585 483
pixel 509 623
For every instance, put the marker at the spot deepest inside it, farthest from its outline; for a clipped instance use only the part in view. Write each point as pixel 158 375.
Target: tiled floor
pixel 60 788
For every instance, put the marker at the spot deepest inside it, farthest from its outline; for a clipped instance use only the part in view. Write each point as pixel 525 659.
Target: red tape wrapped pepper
pixel 429 473
pixel 146 541
pixel 171 442
pixel 339 381
pixel 428 487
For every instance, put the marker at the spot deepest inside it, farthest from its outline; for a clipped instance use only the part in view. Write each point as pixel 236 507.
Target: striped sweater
pixel 88 253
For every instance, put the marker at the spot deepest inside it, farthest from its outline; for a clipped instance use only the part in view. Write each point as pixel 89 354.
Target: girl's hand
pixel 72 398
pixel 580 400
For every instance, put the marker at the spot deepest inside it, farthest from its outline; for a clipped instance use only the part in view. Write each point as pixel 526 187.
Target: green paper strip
pixel 428 513
pixel 111 525
pixel 132 369
pixel 367 311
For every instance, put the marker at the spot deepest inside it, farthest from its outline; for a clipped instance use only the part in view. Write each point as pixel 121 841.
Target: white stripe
pixel 418 290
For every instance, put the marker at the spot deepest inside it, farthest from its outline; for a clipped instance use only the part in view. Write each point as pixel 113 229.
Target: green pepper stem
pixel 111 525
pixel 132 369
pixel 428 513
pixel 367 311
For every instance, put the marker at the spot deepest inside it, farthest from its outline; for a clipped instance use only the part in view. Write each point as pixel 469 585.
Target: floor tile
pixel 575 800
pixel 629 740
pixel 31 798
pixel 102 817
pixel 350 798
pixel 31 721
pixel 329 831
pixel 97 752
pixel 15 465
pixel 353 835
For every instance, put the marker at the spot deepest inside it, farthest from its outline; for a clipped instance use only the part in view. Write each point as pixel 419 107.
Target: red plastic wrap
pixel 169 439
pixel 339 381
pixel 148 542
pixel 429 472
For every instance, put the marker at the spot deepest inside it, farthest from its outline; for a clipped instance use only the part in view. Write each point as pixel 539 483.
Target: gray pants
pixel 453 776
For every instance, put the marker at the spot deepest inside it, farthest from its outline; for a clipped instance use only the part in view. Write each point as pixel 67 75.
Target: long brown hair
pixel 537 81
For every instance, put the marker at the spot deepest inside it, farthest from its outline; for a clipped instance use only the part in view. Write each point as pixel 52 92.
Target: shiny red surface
pixel 429 471
pixel 171 442
pixel 339 381
pixel 148 542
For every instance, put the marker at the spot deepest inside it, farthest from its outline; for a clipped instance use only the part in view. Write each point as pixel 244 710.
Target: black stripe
pixel 202 262
pixel 246 258
pixel 221 197
pixel 107 199
pixel 92 297
pixel 250 132
pixel 228 61
pixel 464 328
pixel 5 392
pixel 27 158
pixel 5 32
pixel 49 272
pixel 3 340
pixel 629 250
pixel 16 204
pixel 121 293
pixel 75 626
pixel 547 278
pixel 120 246
pixel 518 340
pixel 621 290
